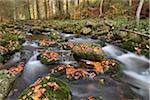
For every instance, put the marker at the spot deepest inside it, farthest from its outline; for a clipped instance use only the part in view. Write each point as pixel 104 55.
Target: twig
pixel 138 33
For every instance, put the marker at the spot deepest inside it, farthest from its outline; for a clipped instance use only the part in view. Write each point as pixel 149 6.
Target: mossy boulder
pixel 86 30
pixel 47 88
pixel 113 67
pixel 1 59
pixel 48 43
pixel 88 50
pixel 3 50
pixel 13 46
pixel 36 30
pixel 128 45
pixel 123 34
pixel 54 35
pixel 135 38
pixel 6 80
pixel 49 58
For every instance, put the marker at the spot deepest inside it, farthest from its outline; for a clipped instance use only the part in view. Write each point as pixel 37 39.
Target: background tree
pixel 138 12
pixel 101 8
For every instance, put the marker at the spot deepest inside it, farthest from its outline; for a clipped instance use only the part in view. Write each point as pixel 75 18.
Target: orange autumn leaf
pixel 90 98
pixel 36 96
pixel 17 69
pixel 46 42
pixel 36 83
pixel 138 50
pixel 98 66
pixel 54 85
pixel 75 73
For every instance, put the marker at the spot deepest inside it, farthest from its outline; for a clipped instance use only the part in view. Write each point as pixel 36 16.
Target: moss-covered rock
pixel 113 67
pixel 135 38
pixel 86 30
pixel 13 46
pixel 128 45
pixel 48 43
pixel 6 81
pixel 54 35
pixel 88 50
pixel 1 58
pixel 36 30
pixel 49 57
pixel 3 50
pixel 48 88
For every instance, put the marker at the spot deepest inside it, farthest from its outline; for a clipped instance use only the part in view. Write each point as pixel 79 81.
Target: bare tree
pixel 138 12
pixel 130 3
pixel 67 7
pixel 101 8
pixel 15 10
pixel 45 5
pixel 37 6
pixel 29 13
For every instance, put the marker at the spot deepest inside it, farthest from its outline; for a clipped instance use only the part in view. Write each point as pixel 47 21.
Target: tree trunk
pixel 67 7
pixel 15 14
pixel 38 12
pixel 101 8
pixel 29 13
pixel 139 9
pixel 130 3
pixel 48 9
pixel 45 4
pixel 33 9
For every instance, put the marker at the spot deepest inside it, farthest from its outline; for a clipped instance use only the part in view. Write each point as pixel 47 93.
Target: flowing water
pixel 135 69
pixel 135 72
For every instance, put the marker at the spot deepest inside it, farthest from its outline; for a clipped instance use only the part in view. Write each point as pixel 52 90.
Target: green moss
pixel 87 50
pixel 54 35
pixel 6 81
pixel 1 59
pixel 62 93
pixel 114 69
pixel 48 58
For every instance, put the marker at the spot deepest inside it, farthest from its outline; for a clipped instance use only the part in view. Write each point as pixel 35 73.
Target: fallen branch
pixel 138 33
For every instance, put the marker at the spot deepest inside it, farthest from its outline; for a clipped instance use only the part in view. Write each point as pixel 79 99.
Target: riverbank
pixel 120 31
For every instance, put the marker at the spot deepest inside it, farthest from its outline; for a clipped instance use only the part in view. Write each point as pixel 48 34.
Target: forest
pixel 74 50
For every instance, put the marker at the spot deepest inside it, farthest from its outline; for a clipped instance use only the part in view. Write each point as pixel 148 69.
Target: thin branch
pixel 138 33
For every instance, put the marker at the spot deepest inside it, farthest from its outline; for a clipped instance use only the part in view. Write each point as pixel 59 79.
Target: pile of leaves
pixel 49 57
pixel 3 50
pixel 46 88
pixel 10 42
pixel 46 42
pixel 70 71
pixel 104 65
pixel 67 45
pixel 87 69
pixel 17 69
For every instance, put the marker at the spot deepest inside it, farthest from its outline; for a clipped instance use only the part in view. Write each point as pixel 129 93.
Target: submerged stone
pixel 48 88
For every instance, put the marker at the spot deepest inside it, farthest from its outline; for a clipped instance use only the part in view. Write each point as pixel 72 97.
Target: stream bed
pixel 132 83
